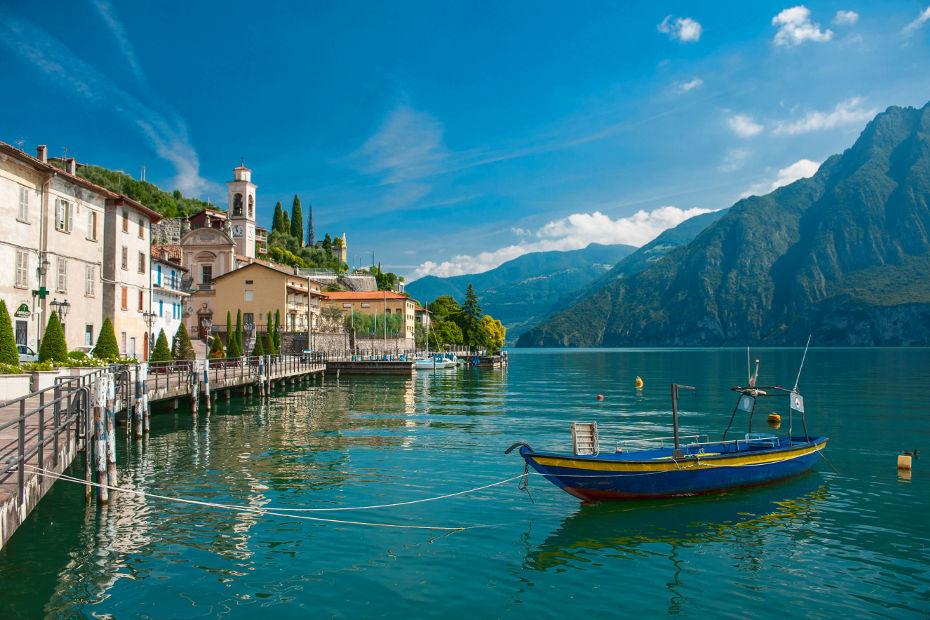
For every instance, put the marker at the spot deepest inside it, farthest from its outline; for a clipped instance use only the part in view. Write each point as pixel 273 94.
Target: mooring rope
pixel 248 509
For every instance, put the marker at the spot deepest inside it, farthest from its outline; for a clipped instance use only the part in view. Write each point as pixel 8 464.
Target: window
pixel 22 269
pixel 161 308
pixel 141 227
pixel 23 204
pixel 90 279
pixel 124 258
pixel 63 210
pixel 88 335
pixel 124 300
pixel 61 282
pixel 158 275
pixel 173 281
pixel 141 301
pixel 122 339
pixel 206 274
pixel 251 206
pixel 91 224
pixel 132 347
pixel 22 332
pixel 237 204
pixel 125 221
pixel 142 262
pixel 249 295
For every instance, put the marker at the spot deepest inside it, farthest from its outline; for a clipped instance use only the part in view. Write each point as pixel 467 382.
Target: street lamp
pixel 61 307
pixel 149 318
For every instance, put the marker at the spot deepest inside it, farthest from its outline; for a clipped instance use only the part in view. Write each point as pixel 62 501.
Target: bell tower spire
pixel 241 192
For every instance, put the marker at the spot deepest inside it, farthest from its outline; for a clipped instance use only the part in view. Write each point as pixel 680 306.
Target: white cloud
pixel 847 112
pixel 734 159
pixel 688 85
pixel 122 39
pixel 166 131
pixel 407 145
pixel 574 232
pixel 845 18
pixel 922 19
pixel 683 29
pixel 744 126
pixel 801 169
pixel 795 27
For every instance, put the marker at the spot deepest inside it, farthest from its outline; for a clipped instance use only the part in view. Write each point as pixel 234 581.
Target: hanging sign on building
pixel 22 312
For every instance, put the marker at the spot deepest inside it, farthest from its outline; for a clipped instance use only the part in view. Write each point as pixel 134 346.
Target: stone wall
pixel 167 231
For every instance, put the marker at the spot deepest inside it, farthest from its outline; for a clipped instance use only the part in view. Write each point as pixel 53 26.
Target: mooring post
pixel 261 376
pixel 206 382
pixel 139 406
pixel 110 417
pixel 270 370
pixel 195 386
pixel 90 401
pixel 100 443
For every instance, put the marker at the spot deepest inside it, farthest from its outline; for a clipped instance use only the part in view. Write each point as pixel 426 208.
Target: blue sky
pixel 448 137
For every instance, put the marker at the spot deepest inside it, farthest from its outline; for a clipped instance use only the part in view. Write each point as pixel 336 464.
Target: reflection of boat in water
pixel 623 529
pixel 681 469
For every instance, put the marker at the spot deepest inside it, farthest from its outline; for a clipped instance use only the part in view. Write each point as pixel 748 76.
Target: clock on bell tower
pixel 242 210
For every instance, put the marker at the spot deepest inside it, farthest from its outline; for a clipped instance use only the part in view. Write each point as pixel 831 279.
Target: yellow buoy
pixel 774 418
pixel 638 382
pixel 904 461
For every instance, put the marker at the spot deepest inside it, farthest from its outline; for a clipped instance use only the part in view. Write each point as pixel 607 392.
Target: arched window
pixel 237 204
pixel 251 206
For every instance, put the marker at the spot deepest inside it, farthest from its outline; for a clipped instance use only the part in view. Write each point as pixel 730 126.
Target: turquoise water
pixel 850 539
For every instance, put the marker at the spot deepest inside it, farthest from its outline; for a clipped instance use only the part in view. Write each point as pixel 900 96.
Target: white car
pixel 26 354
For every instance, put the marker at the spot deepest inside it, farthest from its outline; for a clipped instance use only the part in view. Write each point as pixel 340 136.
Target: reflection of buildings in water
pixel 623 527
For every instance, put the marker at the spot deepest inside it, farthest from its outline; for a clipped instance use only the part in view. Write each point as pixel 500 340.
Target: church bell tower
pixel 242 210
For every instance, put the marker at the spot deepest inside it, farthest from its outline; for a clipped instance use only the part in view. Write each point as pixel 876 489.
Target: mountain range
pixel 843 255
pixel 521 291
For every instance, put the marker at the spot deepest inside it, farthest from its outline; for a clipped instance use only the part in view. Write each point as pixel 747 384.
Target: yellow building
pixel 375 303
pixel 258 288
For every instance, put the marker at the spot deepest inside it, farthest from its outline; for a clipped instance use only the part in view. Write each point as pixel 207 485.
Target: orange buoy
pixel 774 417
pixel 904 461
pixel 638 382
pixel 600 397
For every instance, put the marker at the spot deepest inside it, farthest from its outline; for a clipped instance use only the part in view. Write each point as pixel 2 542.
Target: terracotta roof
pixel 256 264
pixel 362 295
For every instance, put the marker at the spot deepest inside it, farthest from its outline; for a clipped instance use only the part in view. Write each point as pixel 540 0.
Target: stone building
pixel 51 238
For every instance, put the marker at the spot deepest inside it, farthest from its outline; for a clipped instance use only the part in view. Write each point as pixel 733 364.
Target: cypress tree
pixel 106 347
pixel 229 331
pixel 269 339
pixel 161 352
pixel 258 348
pixel 181 348
pixel 9 354
pixel 276 334
pixel 286 223
pixel 216 347
pixel 310 239
pixel 54 348
pixel 278 219
pixel 239 328
pixel 297 221
pixel 471 306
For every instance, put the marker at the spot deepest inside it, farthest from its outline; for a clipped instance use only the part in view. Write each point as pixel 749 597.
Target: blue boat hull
pixel 630 476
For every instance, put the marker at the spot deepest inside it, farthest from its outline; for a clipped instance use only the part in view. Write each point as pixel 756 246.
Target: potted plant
pixel 13 381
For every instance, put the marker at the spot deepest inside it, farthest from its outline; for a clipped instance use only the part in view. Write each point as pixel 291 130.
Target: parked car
pixel 26 354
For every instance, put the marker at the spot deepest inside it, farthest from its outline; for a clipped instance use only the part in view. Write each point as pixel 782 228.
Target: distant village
pixel 89 254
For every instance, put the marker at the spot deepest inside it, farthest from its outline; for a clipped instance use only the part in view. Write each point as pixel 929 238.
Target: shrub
pixel 181 347
pixel 10 369
pixel 54 348
pixel 106 347
pixel 259 347
pixel 161 352
pixel 9 354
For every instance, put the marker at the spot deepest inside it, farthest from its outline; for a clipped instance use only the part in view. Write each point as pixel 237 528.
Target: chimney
pixel 72 166
pixel 42 153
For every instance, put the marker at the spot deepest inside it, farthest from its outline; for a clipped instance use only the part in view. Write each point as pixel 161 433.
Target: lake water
pixel 851 539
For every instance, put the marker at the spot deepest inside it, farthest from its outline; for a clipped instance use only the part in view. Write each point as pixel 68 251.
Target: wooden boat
pixel 682 469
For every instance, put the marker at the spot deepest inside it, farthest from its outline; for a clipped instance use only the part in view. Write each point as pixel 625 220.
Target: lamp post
pixel 149 318
pixel 61 307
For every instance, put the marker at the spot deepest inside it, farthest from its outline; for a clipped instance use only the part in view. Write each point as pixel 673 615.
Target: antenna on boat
pixel 803 358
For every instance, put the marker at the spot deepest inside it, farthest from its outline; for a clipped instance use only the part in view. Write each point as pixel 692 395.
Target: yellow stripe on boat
pixel 689 462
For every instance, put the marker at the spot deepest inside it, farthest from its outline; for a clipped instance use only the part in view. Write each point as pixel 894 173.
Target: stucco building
pixel 376 303
pixel 169 295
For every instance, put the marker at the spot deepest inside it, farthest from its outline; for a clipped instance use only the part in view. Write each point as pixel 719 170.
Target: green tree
pixel 471 307
pixel 268 344
pixel 258 348
pixel 445 333
pixel 278 220
pixel 240 349
pixel 161 352
pixel 106 347
pixel 217 350
pixel 54 348
pixel 9 354
pixel 181 347
pixel 285 225
pixel 444 308
pixel 297 220
pixel 327 243
pixel 494 334
pixel 276 334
